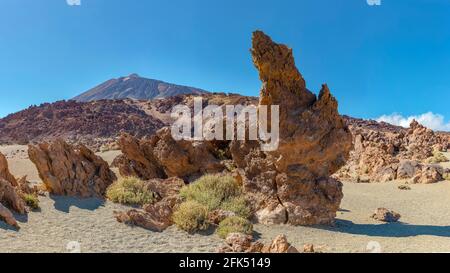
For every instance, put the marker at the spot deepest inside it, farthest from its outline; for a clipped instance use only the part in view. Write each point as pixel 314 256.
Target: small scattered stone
pixel 309 248
pixel 385 215
pixel 404 187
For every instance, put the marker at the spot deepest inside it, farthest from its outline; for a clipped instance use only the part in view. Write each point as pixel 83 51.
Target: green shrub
pixel 438 157
pixel 211 190
pixel 130 191
pixel 234 224
pixel 31 201
pixel 238 205
pixel 447 176
pixel 191 216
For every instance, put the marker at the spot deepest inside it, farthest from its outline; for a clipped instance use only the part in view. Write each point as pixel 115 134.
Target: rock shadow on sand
pixel 398 229
pixel 64 203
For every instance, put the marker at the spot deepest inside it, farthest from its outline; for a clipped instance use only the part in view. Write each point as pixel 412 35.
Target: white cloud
pixel 430 120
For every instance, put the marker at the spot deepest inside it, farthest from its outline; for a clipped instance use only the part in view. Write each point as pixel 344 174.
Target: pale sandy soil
pixel 425 225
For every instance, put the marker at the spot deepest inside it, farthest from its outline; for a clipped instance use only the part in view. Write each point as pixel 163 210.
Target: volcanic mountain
pixel 135 87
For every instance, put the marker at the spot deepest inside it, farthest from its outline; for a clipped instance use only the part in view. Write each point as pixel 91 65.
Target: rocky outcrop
pixel 71 170
pixel 292 184
pixel 10 194
pixel 384 153
pixel 241 243
pixel 160 156
pixel 156 216
pixel 4 171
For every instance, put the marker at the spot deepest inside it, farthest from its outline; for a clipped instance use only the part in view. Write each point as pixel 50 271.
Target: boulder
pixel 279 245
pixel 241 243
pixel 385 215
pixel 428 174
pixel 4 171
pixel 8 217
pixel 275 215
pixel 156 216
pixel 140 218
pixel 161 157
pixel 10 197
pixel 71 170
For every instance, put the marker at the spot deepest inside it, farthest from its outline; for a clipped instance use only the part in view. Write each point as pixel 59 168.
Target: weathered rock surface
pixel 161 156
pixel 71 170
pixel 10 194
pixel 314 143
pixel 290 185
pixel 4 171
pixel 385 215
pixel 385 152
pixel 156 216
pixel 279 245
pixel 241 243
pixel 8 217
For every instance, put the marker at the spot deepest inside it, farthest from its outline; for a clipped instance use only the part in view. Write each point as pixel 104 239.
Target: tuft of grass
pixel 438 157
pixel 191 216
pixel 31 201
pixel 447 176
pixel 130 191
pixel 234 224
pixel 217 192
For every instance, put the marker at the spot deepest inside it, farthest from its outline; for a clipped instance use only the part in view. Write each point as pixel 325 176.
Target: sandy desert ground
pixel 64 224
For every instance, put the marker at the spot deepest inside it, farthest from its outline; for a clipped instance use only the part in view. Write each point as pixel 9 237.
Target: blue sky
pixel 377 60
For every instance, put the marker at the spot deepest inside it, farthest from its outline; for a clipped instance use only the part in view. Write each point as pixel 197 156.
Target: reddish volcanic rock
pixel 4 171
pixel 241 243
pixel 385 215
pixel 161 156
pixel 10 194
pixel 156 216
pixel 314 143
pixel 384 153
pixel 78 122
pixel 71 170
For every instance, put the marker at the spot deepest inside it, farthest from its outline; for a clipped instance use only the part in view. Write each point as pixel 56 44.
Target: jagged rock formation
pixel 161 156
pixel 70 170
pixel 156 216
pixel 9 195
pixel 291 185
pixel 383 153
pixel 135 87
pixel 293 182
pixel 4 171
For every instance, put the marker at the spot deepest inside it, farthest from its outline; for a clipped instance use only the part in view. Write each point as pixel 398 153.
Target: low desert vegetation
pixel 217 192
pixel 31 201
pixel 210 192
pixel 438 157
pixel 447 176
pixel 191 216
pixel 234 224
pixel 130 191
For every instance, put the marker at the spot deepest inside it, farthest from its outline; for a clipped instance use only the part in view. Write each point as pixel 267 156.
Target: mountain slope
pixel 135 87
